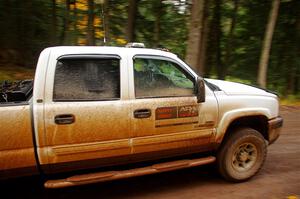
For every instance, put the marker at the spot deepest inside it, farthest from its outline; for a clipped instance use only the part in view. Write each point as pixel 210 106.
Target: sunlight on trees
pixel 219 38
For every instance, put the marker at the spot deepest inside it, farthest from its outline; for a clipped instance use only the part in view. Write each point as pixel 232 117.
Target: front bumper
pixel 274 128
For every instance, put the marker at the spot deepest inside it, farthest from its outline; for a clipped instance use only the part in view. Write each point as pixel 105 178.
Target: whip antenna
pixel 101 2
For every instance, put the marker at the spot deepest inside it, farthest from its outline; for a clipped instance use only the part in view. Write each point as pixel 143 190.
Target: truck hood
pixel 233 88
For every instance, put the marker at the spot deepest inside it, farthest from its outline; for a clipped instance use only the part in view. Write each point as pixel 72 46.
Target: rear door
pixel 86 115
pixel 166 116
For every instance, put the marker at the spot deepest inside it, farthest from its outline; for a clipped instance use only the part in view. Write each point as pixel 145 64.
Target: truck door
pixel 86 116
pixel 166 116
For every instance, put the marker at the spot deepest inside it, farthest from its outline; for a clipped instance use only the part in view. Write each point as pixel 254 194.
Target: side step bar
pixel 114 175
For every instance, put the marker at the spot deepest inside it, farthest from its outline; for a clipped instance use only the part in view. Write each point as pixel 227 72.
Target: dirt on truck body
pixel 94 107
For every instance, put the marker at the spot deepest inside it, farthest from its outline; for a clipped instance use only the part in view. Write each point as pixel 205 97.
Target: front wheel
pixel 241 155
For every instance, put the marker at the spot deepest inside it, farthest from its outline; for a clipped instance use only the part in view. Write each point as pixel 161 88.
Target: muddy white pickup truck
pixel 103 113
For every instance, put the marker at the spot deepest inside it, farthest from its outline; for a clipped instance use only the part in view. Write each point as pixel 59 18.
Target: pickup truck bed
pixel 18 91
pixel 16 143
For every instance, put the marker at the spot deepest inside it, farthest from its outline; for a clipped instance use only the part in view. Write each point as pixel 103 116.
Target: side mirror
pixel 200 86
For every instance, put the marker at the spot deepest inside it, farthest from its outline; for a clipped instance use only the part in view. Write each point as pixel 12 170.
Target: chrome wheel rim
pixel 244 157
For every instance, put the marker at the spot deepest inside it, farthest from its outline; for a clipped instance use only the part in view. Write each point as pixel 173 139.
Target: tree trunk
pixel 26 34
pixel 54 22
pixel 202 46
pixel 75 23
pixel 297 82
pixel 218 32
pixel 64 37
pixel 90 28
pixel 230 40
pixel 294 67
pixel 158 11
pixel 195 33
pixel 10 40
pixel 132 11
pixel 265 53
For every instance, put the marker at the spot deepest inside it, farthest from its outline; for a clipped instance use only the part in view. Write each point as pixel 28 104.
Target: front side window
pixel 80 79
pixel 161 78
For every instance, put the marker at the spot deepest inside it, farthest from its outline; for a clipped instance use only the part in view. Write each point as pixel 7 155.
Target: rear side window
pixel 82 79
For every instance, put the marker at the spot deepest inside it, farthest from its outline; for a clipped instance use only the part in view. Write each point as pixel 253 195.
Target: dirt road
pixel 279 178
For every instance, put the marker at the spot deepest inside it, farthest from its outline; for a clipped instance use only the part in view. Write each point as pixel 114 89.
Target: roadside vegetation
pixel 13 73
pixel 255 42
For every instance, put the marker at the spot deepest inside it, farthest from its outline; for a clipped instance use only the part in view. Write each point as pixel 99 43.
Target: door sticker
pixel 176 112
pixel 187 111
pixel 166 113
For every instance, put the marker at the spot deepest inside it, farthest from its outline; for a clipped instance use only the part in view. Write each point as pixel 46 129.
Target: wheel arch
pixel 255 120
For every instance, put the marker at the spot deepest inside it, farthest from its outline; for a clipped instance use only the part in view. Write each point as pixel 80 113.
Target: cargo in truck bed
pixel 17 91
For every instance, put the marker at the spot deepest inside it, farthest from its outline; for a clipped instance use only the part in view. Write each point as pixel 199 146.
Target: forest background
pixel 250 41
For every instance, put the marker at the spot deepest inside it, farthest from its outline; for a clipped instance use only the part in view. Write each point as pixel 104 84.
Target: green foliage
pixel 15 73
pixel 252 16
pixel 24 29
pixel 29 26
pixel 173 29
pixel 290 100
pixel 236 79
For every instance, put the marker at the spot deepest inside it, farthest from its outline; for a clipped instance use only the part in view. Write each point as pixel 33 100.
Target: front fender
pixel 232 115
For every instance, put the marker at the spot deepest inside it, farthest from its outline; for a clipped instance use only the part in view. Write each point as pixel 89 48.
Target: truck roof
pixel 62 50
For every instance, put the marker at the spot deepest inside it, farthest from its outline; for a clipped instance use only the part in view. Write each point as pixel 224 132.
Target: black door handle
pixel 142 113
pixel 64 119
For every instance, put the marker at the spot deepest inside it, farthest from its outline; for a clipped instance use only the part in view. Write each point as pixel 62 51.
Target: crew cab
pixel 97 107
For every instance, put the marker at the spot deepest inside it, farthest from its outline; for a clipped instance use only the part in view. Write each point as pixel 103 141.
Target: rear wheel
pixel 241 155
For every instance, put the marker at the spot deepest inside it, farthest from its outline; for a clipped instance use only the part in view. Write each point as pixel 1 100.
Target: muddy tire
pixel 241 155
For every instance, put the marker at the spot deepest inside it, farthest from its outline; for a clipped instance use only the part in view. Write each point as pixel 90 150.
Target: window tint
pixel 161 78
pixel 87 79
